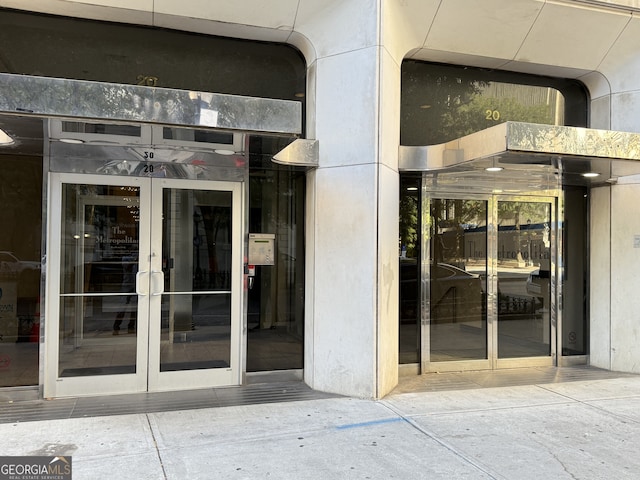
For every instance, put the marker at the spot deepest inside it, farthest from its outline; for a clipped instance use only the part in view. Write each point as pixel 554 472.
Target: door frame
pixel 147 350
pixel 201 378
pixel 492 361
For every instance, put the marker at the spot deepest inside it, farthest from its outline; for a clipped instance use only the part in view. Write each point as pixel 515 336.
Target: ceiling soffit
pixel 523 35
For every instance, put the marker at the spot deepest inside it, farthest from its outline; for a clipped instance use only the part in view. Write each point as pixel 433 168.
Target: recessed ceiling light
pixel 224 152
pixel 74 141
pixel 591 174
pixel 494 169
pixel 412 189
pixel 5 139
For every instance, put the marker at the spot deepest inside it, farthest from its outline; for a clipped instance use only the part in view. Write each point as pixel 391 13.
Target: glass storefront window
pixel 575 327
pixel 20 240
pixel 409 270
pixel 276 298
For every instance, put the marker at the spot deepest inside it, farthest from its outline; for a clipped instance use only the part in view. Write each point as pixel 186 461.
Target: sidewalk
pixel 574 430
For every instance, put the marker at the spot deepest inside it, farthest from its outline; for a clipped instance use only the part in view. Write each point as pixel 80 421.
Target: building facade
pixel 139 193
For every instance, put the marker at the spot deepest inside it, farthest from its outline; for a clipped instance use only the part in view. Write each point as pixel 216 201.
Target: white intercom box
pixel 261 249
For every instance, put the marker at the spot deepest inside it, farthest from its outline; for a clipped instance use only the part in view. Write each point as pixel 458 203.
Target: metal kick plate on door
pixel 261 249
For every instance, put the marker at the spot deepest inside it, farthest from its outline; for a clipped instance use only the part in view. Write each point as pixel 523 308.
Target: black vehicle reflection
pixel 538 283
pixel 456 295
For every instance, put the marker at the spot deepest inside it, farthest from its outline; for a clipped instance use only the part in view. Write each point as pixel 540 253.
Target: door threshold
pixel 19 394
pixel 252 378
pixel 142 403
pixel 508 377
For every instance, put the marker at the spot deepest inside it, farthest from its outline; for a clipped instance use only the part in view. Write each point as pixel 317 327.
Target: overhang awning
pixel 56 97
pixel 526 156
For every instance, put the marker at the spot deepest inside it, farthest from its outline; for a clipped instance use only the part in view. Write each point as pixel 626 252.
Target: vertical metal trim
pixel 43 265
pixel 244 316
pixel 238 263
pixel 492 281
pixel 557 274
pixel 425 277
pixel 49 338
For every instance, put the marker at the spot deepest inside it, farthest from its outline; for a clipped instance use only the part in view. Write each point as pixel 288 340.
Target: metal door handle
pixel 161 291
pixel 138 292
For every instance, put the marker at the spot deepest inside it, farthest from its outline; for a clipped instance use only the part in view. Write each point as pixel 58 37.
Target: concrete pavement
pixel 574 430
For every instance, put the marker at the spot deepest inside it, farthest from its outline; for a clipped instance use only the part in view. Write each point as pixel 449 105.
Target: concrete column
pixel 625 265
pixel 614 258
pixel 351 339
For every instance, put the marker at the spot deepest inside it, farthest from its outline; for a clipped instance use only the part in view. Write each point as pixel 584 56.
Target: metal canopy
pixel 55 97
pixel 529 157
pixel 300 153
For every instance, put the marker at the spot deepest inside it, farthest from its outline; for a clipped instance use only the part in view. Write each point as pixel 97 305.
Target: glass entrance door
pixel 490 275
pixel 195 285
pixel 457 287
pixel 523 271
pixel 148 296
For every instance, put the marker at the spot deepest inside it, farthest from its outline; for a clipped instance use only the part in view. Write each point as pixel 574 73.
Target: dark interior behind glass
pixel 20 247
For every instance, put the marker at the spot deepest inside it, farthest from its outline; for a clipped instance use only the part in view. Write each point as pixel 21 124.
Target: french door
pixel 149 292
pixel 491 283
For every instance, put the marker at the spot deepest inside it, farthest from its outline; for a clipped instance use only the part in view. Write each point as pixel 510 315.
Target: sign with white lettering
pixel 35 468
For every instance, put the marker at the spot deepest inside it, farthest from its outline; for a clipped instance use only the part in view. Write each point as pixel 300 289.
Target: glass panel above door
pixel 444 102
